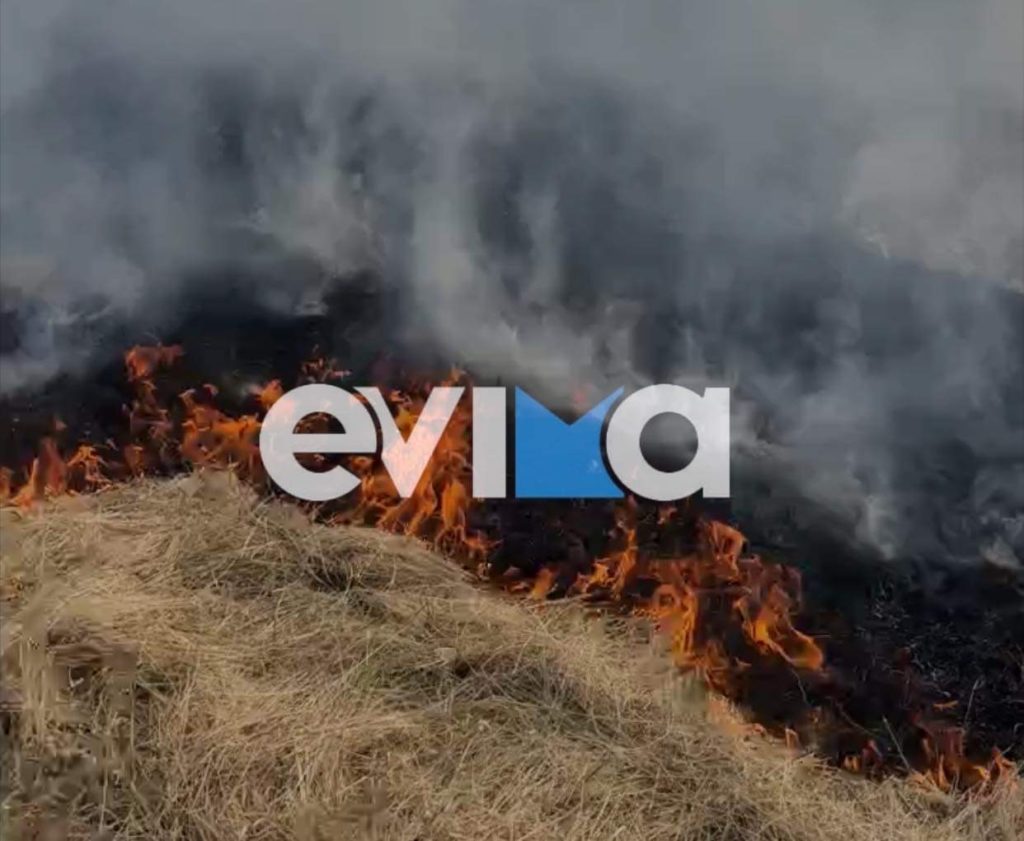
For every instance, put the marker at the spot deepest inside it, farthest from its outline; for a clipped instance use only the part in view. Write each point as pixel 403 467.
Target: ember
pixel 727 615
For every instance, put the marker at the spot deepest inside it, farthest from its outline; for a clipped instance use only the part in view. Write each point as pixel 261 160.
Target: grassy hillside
pixel 182 661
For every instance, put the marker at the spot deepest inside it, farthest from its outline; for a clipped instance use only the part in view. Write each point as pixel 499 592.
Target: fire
pixel 212 438
pixel 142 362
pixel 688 595
pixel 725 613
pixel 269 394
pixel 48 474
pixel 437 508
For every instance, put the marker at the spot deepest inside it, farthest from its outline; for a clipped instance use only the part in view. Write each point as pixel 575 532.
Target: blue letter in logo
pixel 557 459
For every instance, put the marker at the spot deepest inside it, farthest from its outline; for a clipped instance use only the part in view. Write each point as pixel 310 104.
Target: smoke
pixel 819 203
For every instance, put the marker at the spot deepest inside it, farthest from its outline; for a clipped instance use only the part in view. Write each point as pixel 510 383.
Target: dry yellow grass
pixel 183 661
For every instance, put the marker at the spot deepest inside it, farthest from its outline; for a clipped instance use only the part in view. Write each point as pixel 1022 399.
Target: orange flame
pixel 141 362
pixel 702 602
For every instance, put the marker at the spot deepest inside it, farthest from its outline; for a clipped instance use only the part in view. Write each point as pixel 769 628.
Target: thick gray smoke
pixel 818 203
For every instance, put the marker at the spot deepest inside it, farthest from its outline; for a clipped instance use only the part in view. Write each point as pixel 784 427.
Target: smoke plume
pixel 820 204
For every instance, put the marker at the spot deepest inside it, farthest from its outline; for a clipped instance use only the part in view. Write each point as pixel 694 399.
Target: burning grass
pixel 185 661
pixel 737 621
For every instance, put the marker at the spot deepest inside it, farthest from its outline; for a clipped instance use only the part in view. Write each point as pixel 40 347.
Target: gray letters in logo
pixel 709 469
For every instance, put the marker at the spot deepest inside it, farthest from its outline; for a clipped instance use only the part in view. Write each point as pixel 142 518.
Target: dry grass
pixel 184 662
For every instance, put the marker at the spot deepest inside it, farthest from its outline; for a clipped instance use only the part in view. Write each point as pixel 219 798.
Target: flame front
pixel 726 614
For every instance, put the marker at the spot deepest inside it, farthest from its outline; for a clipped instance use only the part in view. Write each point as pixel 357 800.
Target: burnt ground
pixel 909 649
